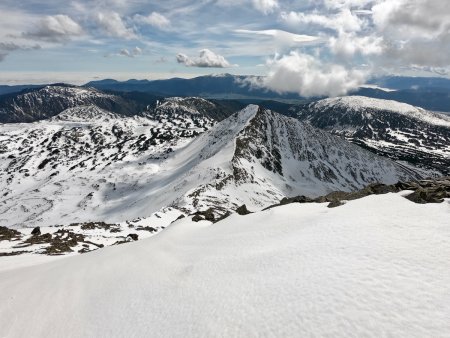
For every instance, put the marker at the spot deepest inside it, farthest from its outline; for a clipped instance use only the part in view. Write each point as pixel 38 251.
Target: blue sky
pixel 310 47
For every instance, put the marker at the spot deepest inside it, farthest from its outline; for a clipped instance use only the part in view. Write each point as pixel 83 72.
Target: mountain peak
pixel 367 105
pixel 402 132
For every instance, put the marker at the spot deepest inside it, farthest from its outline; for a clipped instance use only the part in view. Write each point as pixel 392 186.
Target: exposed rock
pixel 133 237
pixel 7 234
pixel 99 225
pixel 197 218
pixel 429 195
pixel 335 204
pixel 425 191
pixel 36 231
pixel 296 199
pixel 242 210
pixel 207 215
pixel 147 228
pixel 12 253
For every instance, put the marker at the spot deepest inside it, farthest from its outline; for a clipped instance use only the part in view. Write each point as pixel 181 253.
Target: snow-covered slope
pixel 82 163
pixel 274 156
pixel 397 130
pixel 51 100
pixel 377 266
pixel 116 169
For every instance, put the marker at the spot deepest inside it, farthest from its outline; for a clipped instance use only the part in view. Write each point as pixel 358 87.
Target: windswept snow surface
pixel 375 267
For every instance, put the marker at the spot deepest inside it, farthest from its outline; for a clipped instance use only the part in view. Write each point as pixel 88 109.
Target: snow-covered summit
pixel 49 101
pixel 193 105
pixel 389 128
pixel 363 104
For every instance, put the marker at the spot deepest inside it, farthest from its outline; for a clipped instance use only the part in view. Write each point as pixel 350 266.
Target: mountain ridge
pixel 396 130
pixel 129 167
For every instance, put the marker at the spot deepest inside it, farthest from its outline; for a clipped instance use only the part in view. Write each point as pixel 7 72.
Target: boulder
pixel 36 231
pixel 242 210
pixel 133 237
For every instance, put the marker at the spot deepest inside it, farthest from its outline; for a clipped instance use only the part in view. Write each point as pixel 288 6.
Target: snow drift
pixel 377 266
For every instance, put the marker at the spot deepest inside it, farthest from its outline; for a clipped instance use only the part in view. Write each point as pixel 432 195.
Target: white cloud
pixel 206 58
pixel 265 6
pixel 349 44
pixel 125 52
pixel 412 18
pixel 154 19
pixel 308 76
pixel 279 35
pixel 275 40
pixel 136 51
pixel 112 25
pixel 344 20
pixel 417 32
pixel 56 28
pixel 339 4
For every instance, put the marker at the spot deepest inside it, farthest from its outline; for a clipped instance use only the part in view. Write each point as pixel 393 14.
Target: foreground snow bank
pixel 378 266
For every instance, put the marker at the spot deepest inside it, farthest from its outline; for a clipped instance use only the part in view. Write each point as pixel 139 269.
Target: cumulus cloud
pixel 265 6
pixel 136 51
pixel 308 76
pixel 56 28
pixel 349 44
pixel 417 31
pixel 388 33
pixel 154 19
pixel 112 25
pixel 419 17
pixel 206 58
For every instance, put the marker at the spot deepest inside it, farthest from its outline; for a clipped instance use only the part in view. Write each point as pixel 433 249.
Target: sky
pixel 320 47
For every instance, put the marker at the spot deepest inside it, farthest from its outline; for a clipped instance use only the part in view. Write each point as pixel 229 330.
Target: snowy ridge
pixel 61 172
pixel 191 104
pixel 399 131
pixel 66 170
pixel 49 101
pixel 359 103
pixel 276 156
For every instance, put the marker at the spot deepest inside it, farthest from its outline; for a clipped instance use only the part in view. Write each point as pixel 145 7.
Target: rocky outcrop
pixel 424 191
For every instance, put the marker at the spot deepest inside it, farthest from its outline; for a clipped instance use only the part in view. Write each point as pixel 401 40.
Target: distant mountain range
pixel 397 130
pixel 428 93
pixel 45 102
